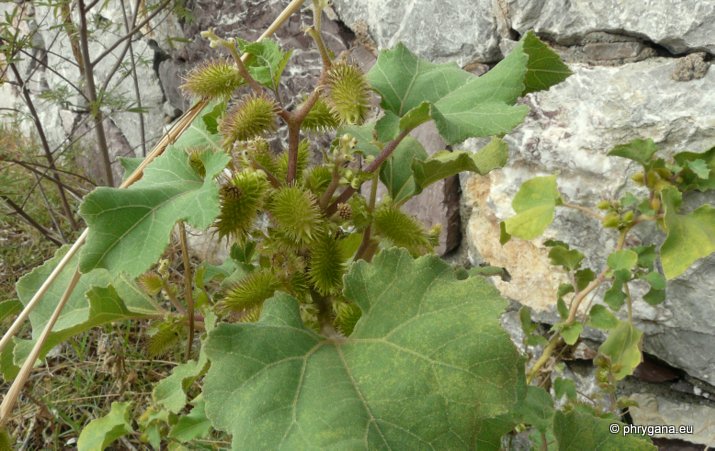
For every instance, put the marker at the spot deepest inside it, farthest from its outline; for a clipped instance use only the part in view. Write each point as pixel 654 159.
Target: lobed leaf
pixel 267 61
pixel 461 104
pixel 129 228
pixel 426 364
pixel 98 298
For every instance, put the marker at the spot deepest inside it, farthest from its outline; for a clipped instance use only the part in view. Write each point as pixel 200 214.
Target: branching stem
pixel 372 167
pixel 573 311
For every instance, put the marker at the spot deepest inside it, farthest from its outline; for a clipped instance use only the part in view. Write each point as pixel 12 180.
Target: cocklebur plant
pixel 331 325
pixel 657 199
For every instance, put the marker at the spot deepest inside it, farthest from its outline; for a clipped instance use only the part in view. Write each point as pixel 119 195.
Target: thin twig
pixel 135 78
pixel 131 33
pixel 10 398
pixel 29 219
pixel 94 106
pixel 45 145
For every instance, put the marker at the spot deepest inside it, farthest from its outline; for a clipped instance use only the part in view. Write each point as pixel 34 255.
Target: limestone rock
pixel 691 67
pixel 652 410
pixel 676 25
pixel 569 131
pixel 452 30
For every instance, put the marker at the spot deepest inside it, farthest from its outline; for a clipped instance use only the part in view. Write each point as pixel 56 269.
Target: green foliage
pixel 623 348
pixel 461 104
pixel 100 297
pixel 129 228
pixel 579 428
pixel 329 337
pixel 102 432
pixel 266 62
pixel 535 204
pixel 394 390
pixel 690 236
pixel 445 164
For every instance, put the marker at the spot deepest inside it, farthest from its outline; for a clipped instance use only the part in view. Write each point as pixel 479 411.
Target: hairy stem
pixel 372 167
pixel 365 245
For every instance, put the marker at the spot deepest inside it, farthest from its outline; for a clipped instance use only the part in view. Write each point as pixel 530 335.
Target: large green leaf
pixel 461 104
pixel 445 164
pixel 690 237
pixel 579 429
pixel 535 204
pixel 426 364
pixel 98 298
pixel 129 228
pixel 101 432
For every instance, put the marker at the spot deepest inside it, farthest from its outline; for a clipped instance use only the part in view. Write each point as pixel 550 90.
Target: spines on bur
pixel 215 80
pixel 254 116
pixel 348 93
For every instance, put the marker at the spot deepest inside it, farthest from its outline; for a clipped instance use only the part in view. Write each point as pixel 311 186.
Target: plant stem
pixel 10 398
pixel 320 43
pixel 585 210
pixel 334 183
pixel 384 155
pixel 188 289
pixel 573 311
pixel 45 146
pixel 29 219
pixel 365 245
